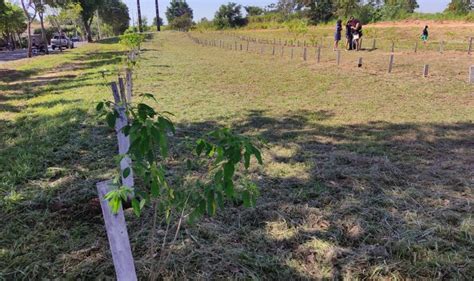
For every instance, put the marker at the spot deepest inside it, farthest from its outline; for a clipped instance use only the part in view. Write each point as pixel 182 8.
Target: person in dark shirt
pixel 425 35
pixel 349 38
pixel 356 33
pixel 337 34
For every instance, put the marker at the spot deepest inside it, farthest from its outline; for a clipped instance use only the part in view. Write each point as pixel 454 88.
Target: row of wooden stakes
pixel 237 47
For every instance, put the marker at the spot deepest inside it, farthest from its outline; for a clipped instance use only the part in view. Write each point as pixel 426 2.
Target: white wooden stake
pixel 118 236
pixel 470 46
pixel 471 74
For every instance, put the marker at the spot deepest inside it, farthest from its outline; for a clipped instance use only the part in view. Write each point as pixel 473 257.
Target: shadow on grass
pixel 376 200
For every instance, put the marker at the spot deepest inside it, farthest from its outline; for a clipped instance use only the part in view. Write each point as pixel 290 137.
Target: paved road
pixel 6 56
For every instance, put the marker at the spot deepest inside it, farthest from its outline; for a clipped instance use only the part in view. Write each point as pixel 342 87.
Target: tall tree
pixel 345 8
pixel 407 5
pixel 253 11
pixel 115 13
pixel 229 15
pixel 177 9
pixel 87 14
pixel 29 9
pixel 12 22
pixel 41 8
pixel 319 10
pixel 140 22
pixel 460 7
pixel 157 10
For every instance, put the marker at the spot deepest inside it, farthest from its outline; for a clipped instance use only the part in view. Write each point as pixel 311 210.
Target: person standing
pixel 356 33
pixel 337 34
pixel 425 35
pixel 349 37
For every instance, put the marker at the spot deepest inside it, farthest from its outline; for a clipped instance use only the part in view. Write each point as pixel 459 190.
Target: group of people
pixel 353 34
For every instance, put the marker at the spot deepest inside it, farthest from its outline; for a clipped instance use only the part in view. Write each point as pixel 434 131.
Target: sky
pixel 207 8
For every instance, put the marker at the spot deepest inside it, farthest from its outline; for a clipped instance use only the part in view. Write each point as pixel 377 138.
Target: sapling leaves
pixel 149 131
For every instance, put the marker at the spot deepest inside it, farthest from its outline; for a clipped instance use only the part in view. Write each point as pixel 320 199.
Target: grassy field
pixel 367 175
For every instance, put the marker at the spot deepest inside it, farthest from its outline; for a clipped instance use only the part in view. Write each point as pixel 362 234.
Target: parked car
pixel 76 39
pixel 61 41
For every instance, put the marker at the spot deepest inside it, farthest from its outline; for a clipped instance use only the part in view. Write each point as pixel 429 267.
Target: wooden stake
pixel 416 46
pixel 273 50
pixel 393 47
pixel 360 62
pixel 390 64
pixel 338 57
pixel 425 70
pixel 471 74
pixel 117 235
pixel 319 54
pixel 470 46
pixel 441 46
pixel 292 52
pixel 374 42
pixel 304 54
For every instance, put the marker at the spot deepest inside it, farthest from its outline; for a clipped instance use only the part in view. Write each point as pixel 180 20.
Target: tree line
pixel 230 15
pixel 63 16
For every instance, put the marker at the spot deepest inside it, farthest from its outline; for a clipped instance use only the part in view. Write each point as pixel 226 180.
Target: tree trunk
pixel 43 32
pixel 30 50
pixel 139 16
pixel 158 26
pixel 87 27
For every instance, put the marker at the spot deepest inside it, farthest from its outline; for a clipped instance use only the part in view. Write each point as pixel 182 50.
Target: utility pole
pixel 158 25
pixel 140 29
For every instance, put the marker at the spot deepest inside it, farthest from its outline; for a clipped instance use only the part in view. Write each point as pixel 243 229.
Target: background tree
pixel 345 8
pixel 160 23
pixel 229 15
pixel 408 6
pixel 183 23
pixel 89 7
pixel 253 11
pixel 178 8
pixel 287 7
pixel 29 9
pixel 115 13
pixel 12 22
pixel 319 10
pixel 460 7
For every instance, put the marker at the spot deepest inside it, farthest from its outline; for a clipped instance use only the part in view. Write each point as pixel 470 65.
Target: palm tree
pixel 157 8
pixel 139 16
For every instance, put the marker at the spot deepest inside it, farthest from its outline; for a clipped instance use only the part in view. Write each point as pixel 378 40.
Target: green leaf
pixel 211 203
pixel 142 203
pixel 258 155
pixel 149 96
pixel 136 207
pixel 246 159
pixel 229 189
pixel 200 146
pixel 155 190
pixel 111 117
pixel 228 171
pixel 100 106
pixel 126 172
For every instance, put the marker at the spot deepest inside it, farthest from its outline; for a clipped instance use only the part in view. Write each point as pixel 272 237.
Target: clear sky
pixel 207 8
